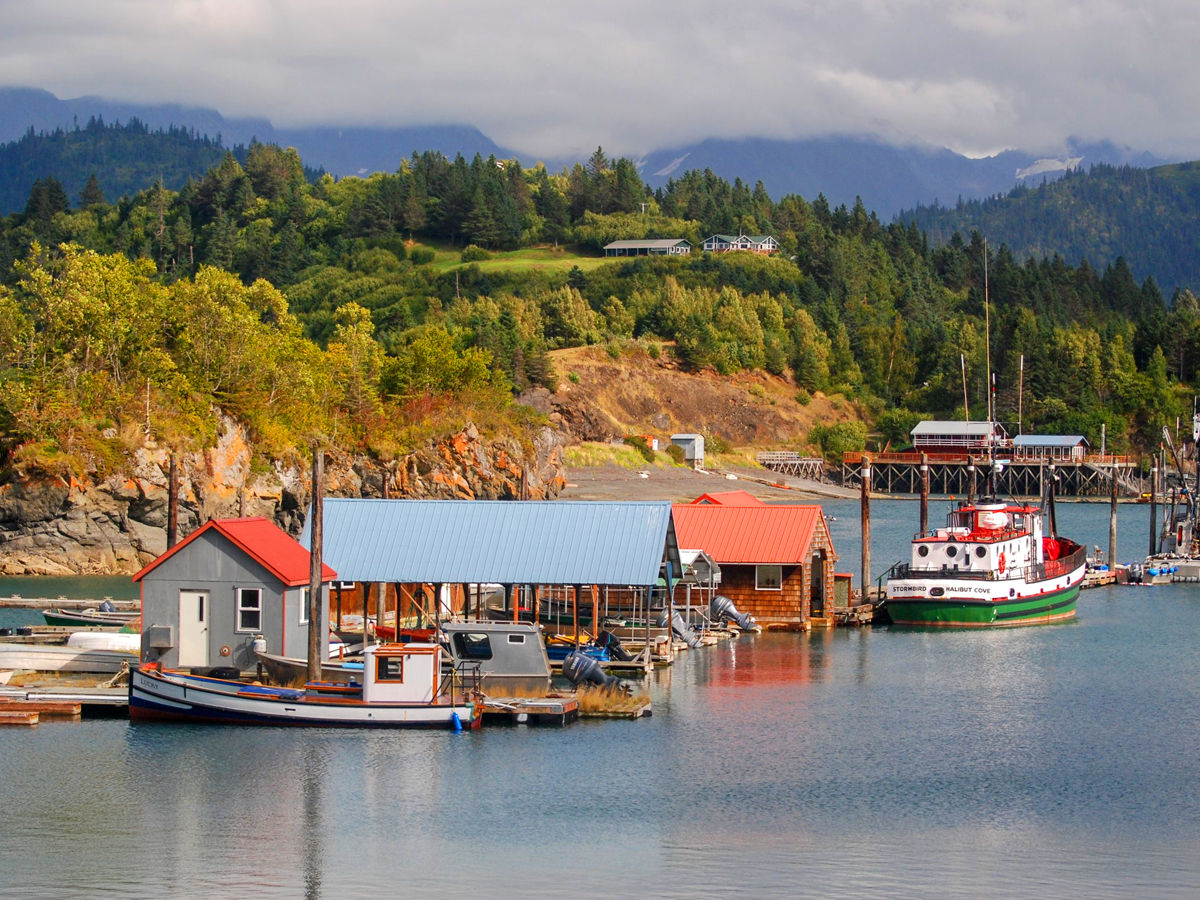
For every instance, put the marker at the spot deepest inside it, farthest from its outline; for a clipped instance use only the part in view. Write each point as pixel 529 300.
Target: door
pixel 816 582
pixel 193 628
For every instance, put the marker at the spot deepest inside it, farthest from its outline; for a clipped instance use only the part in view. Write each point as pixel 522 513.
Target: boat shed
pixel 1056 447
pixel 958 438
pixel 451 545
pixel 206 600
pixel 776 561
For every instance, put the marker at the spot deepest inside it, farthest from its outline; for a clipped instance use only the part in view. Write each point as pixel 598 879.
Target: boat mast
pixel 989 385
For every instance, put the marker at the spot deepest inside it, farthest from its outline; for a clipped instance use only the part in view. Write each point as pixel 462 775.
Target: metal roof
pixel 263 541
pixel 649 242
pixel 507 542
pixel 954 428
pixel 1048 440
pixel 749 534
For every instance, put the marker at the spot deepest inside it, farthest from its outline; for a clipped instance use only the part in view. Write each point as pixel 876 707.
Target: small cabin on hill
pixel 776 562
pixel 206 600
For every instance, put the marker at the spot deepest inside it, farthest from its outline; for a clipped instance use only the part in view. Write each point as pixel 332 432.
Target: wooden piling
pixel 924 493
pixel 866 527
pixel 172 503
pixel 1112 521
pixel 315 618
pixel 970 481
pixel 1153 510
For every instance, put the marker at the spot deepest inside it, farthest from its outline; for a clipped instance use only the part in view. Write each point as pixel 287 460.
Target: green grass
pixel 543 257
pixel 593 454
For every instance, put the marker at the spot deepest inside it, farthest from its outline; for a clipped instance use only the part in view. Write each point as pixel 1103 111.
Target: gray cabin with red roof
pixel 206 600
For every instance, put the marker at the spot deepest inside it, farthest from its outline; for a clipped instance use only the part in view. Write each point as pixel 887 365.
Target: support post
pixel 924 493
pixel 172 503
pixel 866 528
pixel 1112 519
pixel 970 481
pixel 1153 509
pixel 315 619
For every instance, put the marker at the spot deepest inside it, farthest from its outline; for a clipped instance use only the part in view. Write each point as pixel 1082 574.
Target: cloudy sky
pixel 563 77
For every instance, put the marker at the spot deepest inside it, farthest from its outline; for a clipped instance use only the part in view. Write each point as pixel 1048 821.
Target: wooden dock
pixel 530 710
pixel 16 602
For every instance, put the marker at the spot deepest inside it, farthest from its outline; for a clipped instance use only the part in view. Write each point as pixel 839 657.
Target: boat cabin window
pixel 470 645
pixel 249 609
pixel 389 668
pixel 952 551
pixel 922 550
pixel 768 578
pixel 516 638
pixel 981 552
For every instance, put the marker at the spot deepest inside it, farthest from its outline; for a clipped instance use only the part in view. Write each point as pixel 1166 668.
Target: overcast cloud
pixel 563 77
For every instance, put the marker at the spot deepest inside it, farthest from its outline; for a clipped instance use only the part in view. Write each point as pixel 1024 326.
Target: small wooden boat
pixel 90 616
pixel 401 689
pixel 63 658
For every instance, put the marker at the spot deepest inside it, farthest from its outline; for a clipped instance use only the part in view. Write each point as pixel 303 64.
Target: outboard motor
pixel 578 668
pixel 680 627
pixel 721 609
pixel 610 642
pixel 107 606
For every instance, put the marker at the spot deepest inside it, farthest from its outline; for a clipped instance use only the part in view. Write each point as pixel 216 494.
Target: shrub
pixel 834 440
pixel 421 255
pixel 803 397
pixel 714 443
pixel 655 351
pixel 638 443
pixel 474 253
pixel 676 453
pixel 573 377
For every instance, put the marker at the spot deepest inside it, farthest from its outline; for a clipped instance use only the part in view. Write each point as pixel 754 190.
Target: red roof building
pixel 230 583
pixel 776 562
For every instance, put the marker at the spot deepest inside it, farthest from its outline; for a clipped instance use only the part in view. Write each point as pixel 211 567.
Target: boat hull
pixel 961 606
pixel 154 698
pixel 66 618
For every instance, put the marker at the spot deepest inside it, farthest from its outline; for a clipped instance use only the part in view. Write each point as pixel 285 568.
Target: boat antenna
pixel 966 406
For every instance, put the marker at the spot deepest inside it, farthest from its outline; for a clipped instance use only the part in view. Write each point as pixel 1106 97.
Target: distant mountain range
pixel 888 178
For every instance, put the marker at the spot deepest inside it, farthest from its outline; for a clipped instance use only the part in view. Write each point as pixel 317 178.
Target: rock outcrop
pixel 51 525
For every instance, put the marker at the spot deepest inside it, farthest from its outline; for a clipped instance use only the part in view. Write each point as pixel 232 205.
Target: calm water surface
pixel 1058 761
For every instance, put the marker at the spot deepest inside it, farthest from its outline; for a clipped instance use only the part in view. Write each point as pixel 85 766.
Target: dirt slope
pixel 600 398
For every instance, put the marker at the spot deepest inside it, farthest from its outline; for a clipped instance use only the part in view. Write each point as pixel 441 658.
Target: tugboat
pixel 990 566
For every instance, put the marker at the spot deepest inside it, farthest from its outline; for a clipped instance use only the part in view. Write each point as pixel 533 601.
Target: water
pixel 1060 761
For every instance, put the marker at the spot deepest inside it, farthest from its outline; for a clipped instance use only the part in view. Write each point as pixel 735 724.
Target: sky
pixel 561 78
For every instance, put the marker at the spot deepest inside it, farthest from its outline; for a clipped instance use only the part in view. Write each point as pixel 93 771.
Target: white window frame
pixel 760 570
pixel 303 617
pixel 243 609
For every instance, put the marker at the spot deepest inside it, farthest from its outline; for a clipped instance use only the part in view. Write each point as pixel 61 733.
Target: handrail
pixel 854 457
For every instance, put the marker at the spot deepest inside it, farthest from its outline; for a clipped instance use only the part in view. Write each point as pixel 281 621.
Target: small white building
pixel 693 448
pixel 1064 447
pixel 959 437
pixel 649 247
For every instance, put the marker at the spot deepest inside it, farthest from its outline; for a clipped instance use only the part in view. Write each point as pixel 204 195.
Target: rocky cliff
pixel 54 525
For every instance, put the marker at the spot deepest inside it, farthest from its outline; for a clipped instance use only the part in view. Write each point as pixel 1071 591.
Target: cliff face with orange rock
pixel 54 525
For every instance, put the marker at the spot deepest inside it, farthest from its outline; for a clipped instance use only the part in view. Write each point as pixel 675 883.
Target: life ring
pixel 1002 563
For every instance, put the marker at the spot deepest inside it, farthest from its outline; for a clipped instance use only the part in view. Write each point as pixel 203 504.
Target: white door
pixel 193 628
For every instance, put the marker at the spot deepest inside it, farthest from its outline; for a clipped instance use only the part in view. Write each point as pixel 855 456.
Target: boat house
pixel 776 562
pixel 1053 447
pixel 430 560
pixel 232 581
pixel 959 438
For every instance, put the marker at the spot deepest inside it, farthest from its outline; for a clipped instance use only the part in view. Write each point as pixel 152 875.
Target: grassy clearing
pixel 609 700
pixel 592 454
pixel 550 258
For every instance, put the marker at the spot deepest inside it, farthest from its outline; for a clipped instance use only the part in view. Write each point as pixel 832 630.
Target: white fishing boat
pixel 63 658
pixel 402 687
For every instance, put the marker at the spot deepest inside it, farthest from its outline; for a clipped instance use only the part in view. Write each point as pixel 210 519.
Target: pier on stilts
pixel 960 475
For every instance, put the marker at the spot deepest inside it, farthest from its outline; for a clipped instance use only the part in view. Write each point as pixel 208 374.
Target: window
pixel 249 609
pixel 389 668
pixel 516 638
pixel 303 620
pixel 470 645
pixel 768 578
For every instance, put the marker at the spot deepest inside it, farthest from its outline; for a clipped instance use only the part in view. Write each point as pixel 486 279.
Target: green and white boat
pixel 991 566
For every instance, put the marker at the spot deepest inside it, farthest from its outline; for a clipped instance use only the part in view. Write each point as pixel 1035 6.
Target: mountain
pixel 339 151
pixel 1144 215
pixel 887 178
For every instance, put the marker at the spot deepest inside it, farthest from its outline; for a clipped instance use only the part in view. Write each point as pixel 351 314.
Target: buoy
pixel 455 721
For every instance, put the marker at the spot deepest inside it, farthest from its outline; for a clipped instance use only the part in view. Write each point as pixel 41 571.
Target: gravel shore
pixel 679 485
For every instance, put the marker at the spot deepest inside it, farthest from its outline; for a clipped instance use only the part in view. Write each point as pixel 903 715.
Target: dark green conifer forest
pixel 375 311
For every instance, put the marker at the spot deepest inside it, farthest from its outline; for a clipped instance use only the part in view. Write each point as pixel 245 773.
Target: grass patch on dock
pixel 610 701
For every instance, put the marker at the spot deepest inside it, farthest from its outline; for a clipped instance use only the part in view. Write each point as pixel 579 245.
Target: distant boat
pixel 402 688
pixel 91 616
pixel 990 566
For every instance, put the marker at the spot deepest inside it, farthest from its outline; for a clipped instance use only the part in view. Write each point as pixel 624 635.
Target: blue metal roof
pixel 1048 440
pixel 508 542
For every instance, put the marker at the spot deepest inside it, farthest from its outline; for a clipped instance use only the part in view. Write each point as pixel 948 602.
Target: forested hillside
pixel 375 311
pixel 1147 216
